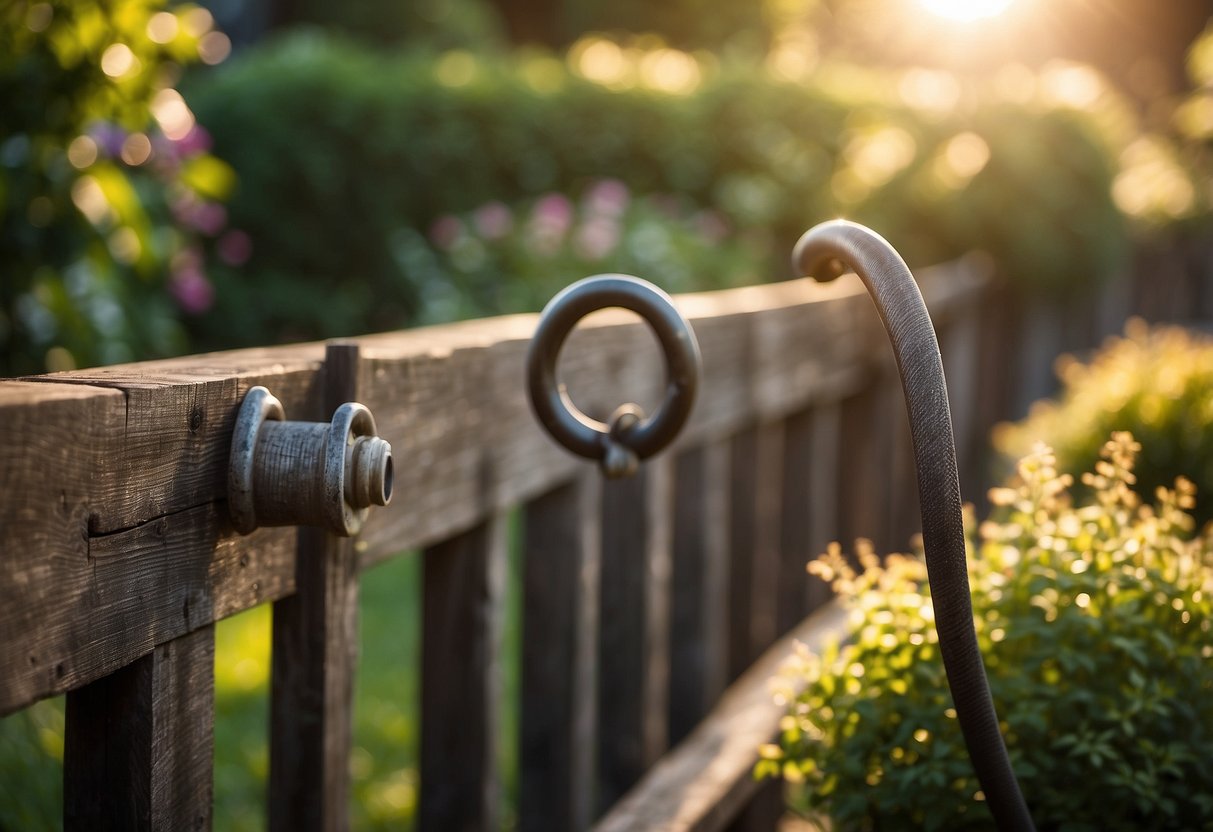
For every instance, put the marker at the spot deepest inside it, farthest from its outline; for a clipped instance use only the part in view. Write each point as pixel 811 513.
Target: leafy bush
pixel 1095 622
pixel 1157 384
pixel 497 259
pixel 341 150
pixel 106 186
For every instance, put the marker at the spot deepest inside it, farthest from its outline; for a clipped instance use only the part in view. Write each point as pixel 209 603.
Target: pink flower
pixel 608 197
pixel 711 226
pixel 446 231
pixel 196 141
pixel 207 217
pixel 234 248
pixel 493 220
pixel 553 214
pixel 597 237
pixel 193 292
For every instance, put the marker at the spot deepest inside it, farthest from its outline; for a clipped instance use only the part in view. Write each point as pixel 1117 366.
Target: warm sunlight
pixel 965 10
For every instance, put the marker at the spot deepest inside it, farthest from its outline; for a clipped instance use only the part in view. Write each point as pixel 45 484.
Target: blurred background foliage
pixel 107 185
pixel 288 194
pixel 1156 383
pixel 177 177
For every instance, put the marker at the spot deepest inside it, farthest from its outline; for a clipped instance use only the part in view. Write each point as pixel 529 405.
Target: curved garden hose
pixel 825 252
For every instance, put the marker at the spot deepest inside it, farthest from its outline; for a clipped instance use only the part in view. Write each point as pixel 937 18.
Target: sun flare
pixel 966 10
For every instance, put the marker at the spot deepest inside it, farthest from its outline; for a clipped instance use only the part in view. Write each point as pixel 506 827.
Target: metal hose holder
pixel 284 473
pixel 629 436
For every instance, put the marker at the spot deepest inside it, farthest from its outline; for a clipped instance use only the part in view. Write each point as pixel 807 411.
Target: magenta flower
pixel 207 217
pixel 608 197
pixel 193 292
pixel 446 231
pixel 553 214
pixel 597 237
pixel 493 220
pixel 234 248
pixel 196 141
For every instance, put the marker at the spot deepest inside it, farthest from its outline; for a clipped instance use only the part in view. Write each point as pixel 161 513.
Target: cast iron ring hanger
pixel 825 252
pixel 629 436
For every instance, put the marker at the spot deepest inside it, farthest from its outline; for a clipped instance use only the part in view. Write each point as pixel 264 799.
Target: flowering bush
pixel 1095 621
pixel 497 259
pixel 1157 384
pixel 108 187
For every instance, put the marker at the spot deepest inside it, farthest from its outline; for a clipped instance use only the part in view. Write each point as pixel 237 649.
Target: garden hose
pixel 825 252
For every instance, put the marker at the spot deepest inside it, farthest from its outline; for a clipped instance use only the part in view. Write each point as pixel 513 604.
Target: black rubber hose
pixel 825 252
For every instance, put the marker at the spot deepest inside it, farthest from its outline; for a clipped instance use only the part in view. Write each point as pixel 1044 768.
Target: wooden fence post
pixel 315 648
pixel 563 541
pixel 138 750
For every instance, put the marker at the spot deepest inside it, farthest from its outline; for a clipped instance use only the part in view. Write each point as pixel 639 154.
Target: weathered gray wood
pixel 315 645
pixel 138 749
pixel 824 505
pixel 795 521
pixel 864 470
pixel 463 615
pixel 563 542
pixel 754 466
pixel 702 784
pixel 633 640
pixel 131 446
pixel 699 596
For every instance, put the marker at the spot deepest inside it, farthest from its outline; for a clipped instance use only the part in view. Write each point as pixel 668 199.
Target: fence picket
pixel 464 603
pixel 315 642
pixel 138 750
pixel 633 633
pixel 699 595
pixel 563 542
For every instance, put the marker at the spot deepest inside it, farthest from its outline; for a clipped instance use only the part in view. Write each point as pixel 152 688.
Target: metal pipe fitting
pixel 284 473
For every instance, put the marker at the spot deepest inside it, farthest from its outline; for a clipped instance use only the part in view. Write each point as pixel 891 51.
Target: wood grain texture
pixel 139 742
pixel 462 620
pixel 699 591
pixel 704 782
pixel 562 543
pixel 634 622
pixel 755 506
pixel 314 659
pixel 141 450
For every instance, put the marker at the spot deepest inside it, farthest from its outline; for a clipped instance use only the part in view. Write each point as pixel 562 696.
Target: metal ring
pixel 640 436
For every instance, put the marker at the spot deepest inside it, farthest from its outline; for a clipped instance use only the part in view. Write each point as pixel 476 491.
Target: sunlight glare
pixel 966 10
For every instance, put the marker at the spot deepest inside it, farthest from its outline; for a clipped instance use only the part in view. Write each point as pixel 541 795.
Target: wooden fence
pixel 644 600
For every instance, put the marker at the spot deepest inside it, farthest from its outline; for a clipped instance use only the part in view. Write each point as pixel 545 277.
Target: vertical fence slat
pixel 795 521
pixel 463 617
pixel 824 507
pixel 562 544
pixel 139 745
pixel 315 634
pixel 754 465
pixel 633 633
pixel 698 636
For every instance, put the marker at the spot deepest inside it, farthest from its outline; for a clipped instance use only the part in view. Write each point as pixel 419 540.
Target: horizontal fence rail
pixel 643 599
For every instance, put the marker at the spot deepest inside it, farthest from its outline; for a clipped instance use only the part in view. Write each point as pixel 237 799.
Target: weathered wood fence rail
pixel 643 599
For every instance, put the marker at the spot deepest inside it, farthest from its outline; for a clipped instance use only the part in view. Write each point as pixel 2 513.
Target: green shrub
pixel 341 150
pixel 1157 384
pixel 106 186
pixel 1095 623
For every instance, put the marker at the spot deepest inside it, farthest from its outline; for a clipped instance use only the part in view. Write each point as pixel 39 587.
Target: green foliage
pixel 342 153
pixel 1157 384
pixel 105 183
pixel 1095 623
